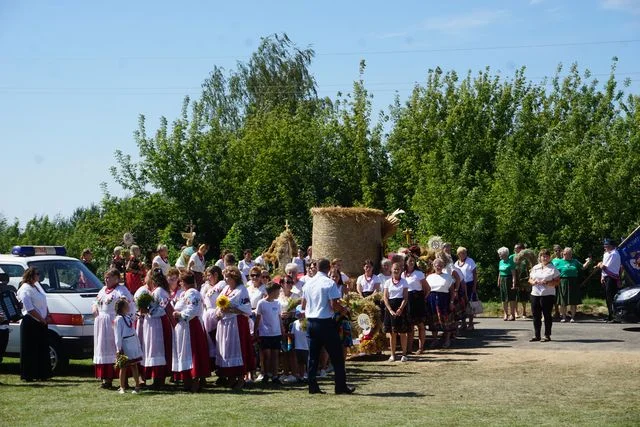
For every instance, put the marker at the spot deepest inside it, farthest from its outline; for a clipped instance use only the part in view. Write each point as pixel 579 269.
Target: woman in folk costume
pixel 190 350
pixel 157 331
pixel 104 345
pixel 209 292
pixel 140 319
pixel 235 356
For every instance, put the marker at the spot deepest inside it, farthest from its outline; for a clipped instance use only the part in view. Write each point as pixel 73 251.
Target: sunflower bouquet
pixel 121 360
pixel 223 302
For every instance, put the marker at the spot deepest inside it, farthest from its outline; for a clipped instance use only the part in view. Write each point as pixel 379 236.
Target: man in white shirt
pixel 319 301
pixel 610 277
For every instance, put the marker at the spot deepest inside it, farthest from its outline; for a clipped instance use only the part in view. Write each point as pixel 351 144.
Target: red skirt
pixel 246 346
pixel 200 367
pixel 106 371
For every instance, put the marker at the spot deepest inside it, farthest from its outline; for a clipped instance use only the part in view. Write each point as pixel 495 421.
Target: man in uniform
pixel 320 297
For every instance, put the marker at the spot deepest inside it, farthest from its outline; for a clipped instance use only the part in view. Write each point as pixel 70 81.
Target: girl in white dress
pixel 104 345
pixel 127 343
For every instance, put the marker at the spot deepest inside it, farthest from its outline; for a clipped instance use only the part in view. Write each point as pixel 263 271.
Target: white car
pixel 71 289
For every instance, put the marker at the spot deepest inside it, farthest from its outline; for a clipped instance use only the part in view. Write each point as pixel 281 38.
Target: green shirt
pixel 505 267
pixel 569 268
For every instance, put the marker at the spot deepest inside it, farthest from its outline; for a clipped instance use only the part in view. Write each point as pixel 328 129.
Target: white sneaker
pixel 260 378
pixel 135 391
pixel 289 379
pixel 404 359
pixel 572 320
pixel 563 320
pixel 392 358
pixel 120 390
pixel 322 373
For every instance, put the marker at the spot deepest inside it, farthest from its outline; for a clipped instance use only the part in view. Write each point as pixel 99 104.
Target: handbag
pixel 476 307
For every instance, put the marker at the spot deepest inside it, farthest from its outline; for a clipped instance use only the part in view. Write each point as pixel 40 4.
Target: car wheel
pixel 59 360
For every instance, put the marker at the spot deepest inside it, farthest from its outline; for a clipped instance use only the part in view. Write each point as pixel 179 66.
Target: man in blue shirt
pixel 320 297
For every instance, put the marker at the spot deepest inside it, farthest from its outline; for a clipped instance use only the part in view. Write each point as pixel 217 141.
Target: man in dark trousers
pixel 610 277
pixel 320 297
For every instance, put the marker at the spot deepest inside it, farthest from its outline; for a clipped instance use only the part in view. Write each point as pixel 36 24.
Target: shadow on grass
pixel 398 394
pixel 588 340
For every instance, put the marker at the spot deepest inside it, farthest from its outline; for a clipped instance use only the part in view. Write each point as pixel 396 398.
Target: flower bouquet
pixel 293 303
pixel 121 360
pixel 223 302
pixel 143 302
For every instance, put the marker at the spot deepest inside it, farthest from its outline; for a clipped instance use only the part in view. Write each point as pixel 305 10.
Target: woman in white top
pixel 396 298
pixel 385 270
pixel 245 264
pixel 190 360
pixel 157 331
pixel 161 260
pixel 467 266
pixel 235 357
pixel 104 311
pixel 543 277
pixel 34 348
pixel 440 301
pixel 418 291
pixel 197 264
pixel 367 283
pixel 210 291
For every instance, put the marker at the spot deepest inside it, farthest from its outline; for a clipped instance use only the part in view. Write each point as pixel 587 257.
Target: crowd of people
pixel 180 323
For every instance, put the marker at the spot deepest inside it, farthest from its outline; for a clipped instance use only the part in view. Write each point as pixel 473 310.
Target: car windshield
pixel 66 276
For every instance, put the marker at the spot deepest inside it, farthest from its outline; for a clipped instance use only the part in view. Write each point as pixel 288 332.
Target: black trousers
pixel 35 363
pixel 4 340
pixel 324 333
pixel 610 289
pixel 542 306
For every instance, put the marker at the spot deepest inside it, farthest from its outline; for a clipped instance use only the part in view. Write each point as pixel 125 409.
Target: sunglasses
pixel 254 275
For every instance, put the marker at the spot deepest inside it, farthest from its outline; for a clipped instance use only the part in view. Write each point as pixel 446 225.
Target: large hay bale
pixel 352 234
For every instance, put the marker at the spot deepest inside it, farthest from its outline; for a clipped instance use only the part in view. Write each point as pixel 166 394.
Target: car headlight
pixel 628 294
pixel 88 319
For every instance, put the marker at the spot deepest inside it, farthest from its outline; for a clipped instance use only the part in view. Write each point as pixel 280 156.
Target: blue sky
pixel 75 75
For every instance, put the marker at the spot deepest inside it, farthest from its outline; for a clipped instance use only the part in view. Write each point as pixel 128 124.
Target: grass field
pixel 483 386
pixel 590 307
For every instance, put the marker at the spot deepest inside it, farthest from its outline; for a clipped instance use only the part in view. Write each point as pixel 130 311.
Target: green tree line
pixel 484 160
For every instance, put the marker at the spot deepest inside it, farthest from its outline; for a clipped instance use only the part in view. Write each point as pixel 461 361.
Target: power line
pixel 322 88
pixel 344 53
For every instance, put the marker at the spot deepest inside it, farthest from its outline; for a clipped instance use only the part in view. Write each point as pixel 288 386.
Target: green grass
pixel 484 386
pixel 590 307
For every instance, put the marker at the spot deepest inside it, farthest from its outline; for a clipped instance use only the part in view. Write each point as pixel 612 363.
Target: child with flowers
pixel 129 352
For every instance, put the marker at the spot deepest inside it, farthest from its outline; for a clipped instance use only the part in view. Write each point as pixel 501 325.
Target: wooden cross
pixel 408 235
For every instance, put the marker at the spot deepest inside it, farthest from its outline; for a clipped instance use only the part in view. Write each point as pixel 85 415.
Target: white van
pixel 71 289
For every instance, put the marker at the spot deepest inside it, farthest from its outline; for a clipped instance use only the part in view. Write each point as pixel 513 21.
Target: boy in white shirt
pixel 269 331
